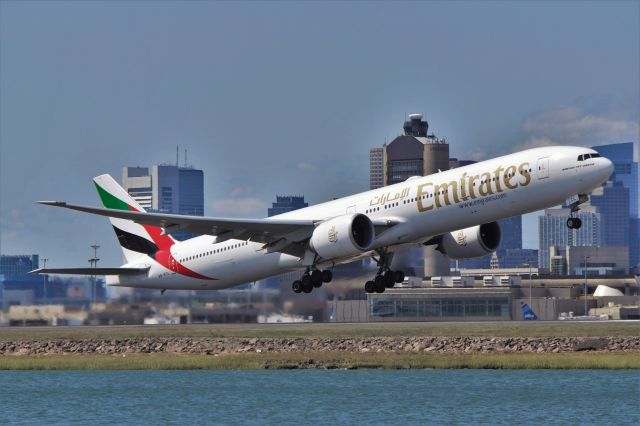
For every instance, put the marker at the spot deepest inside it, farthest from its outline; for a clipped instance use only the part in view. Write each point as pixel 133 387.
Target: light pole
pixel 44 281
pixel 529 264
pixel 94 264
pixel 586 312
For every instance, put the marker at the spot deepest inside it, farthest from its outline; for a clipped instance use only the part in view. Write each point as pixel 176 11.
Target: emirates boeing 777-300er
pixel 455 210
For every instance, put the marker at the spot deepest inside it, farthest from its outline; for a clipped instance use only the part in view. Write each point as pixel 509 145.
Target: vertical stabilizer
pixel 135 239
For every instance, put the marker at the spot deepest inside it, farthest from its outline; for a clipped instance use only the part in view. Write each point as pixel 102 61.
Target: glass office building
pixel 625 173
pixel 625 170
pixel 553 231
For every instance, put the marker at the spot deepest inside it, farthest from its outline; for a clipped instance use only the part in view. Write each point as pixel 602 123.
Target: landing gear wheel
pixel 379 281
pixel 389 279
pixel 316 278
pixel 297 286
pixel 327 276
pixel 370 287
pixel 380 285
pixel 399 276
pixel 307 283
pixel 574 223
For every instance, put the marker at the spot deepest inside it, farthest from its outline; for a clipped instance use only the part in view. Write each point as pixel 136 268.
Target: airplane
pixel 455 210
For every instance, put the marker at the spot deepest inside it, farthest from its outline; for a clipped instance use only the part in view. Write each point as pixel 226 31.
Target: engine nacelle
pixel 475 241
pixel 343 236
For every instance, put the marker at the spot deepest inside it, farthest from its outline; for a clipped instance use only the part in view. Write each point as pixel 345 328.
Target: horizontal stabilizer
pixel 90 271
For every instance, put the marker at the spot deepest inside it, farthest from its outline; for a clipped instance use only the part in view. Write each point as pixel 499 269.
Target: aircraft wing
pixel 90 271
pixel 260 230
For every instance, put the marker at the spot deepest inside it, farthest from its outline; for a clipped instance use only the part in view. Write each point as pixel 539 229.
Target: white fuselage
pixel 420 208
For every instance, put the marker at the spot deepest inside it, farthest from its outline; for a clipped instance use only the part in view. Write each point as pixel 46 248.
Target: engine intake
pixel 475 241
pixel 343 236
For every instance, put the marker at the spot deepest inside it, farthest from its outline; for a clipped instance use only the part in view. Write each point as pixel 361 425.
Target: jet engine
pixel 343 236
pixel 475 241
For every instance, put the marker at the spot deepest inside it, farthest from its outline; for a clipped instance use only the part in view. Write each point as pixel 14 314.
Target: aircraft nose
pixel 607 166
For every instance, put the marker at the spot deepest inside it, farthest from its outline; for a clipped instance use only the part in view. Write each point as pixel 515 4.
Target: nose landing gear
pixel 574 205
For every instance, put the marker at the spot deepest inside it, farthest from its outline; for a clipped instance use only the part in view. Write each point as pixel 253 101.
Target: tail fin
pixel 527 312
pixel 136 240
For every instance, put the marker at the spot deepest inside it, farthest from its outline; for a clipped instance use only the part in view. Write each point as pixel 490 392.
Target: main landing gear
pixel 311 280
pixel 385 278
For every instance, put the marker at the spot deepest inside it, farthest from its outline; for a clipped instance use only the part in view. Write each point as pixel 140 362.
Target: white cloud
pixel 573 126
pixel 240 206
pixel 239 191
pixel 12 221
pixel 306 167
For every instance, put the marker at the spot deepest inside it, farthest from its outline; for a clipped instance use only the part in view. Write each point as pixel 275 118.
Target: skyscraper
pixel 286 203
pixel 511 229
pixel 167 189
pixel 612 202
pixel 625 173
pixel 553 231
pixel 376 168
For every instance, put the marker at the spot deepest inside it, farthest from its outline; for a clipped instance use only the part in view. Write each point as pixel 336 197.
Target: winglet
pixel 53 203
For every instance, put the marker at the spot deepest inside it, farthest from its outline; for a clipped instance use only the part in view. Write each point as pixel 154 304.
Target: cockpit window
pixel 583 157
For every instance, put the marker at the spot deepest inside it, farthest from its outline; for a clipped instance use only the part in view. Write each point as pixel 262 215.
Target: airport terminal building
pixel 490 300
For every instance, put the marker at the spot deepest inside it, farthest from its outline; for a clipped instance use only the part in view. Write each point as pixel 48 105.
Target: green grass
pixel 256 361
pixel 492 329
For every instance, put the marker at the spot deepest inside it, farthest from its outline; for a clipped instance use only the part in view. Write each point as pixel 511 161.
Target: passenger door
pixel 543 168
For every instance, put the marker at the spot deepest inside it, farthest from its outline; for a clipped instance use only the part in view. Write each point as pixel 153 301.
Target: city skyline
pixel 267 101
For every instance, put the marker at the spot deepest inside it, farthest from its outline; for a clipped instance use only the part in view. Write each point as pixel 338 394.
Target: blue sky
pixel 283 97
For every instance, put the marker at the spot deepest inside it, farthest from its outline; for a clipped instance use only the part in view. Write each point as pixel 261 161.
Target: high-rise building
pixel 511 229
pixel 553 231
pixel 376 168
pixel 626 173
pixel 137 182
pixel 612 202
pixel 625 170
pixel 168 188
pixel 286 203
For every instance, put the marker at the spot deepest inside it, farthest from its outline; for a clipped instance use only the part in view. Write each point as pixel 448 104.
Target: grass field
pixel 492 329
pixel 323 361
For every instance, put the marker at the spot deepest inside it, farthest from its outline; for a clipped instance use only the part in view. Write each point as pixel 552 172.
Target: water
pixel 321 397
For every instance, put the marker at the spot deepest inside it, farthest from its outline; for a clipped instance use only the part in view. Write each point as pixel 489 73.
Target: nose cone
pixel 606 167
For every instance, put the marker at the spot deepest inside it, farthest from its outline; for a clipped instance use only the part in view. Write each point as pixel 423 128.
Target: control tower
pixel 416 153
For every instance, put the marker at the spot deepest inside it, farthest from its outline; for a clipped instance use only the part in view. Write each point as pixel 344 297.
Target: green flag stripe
pixel 110 201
